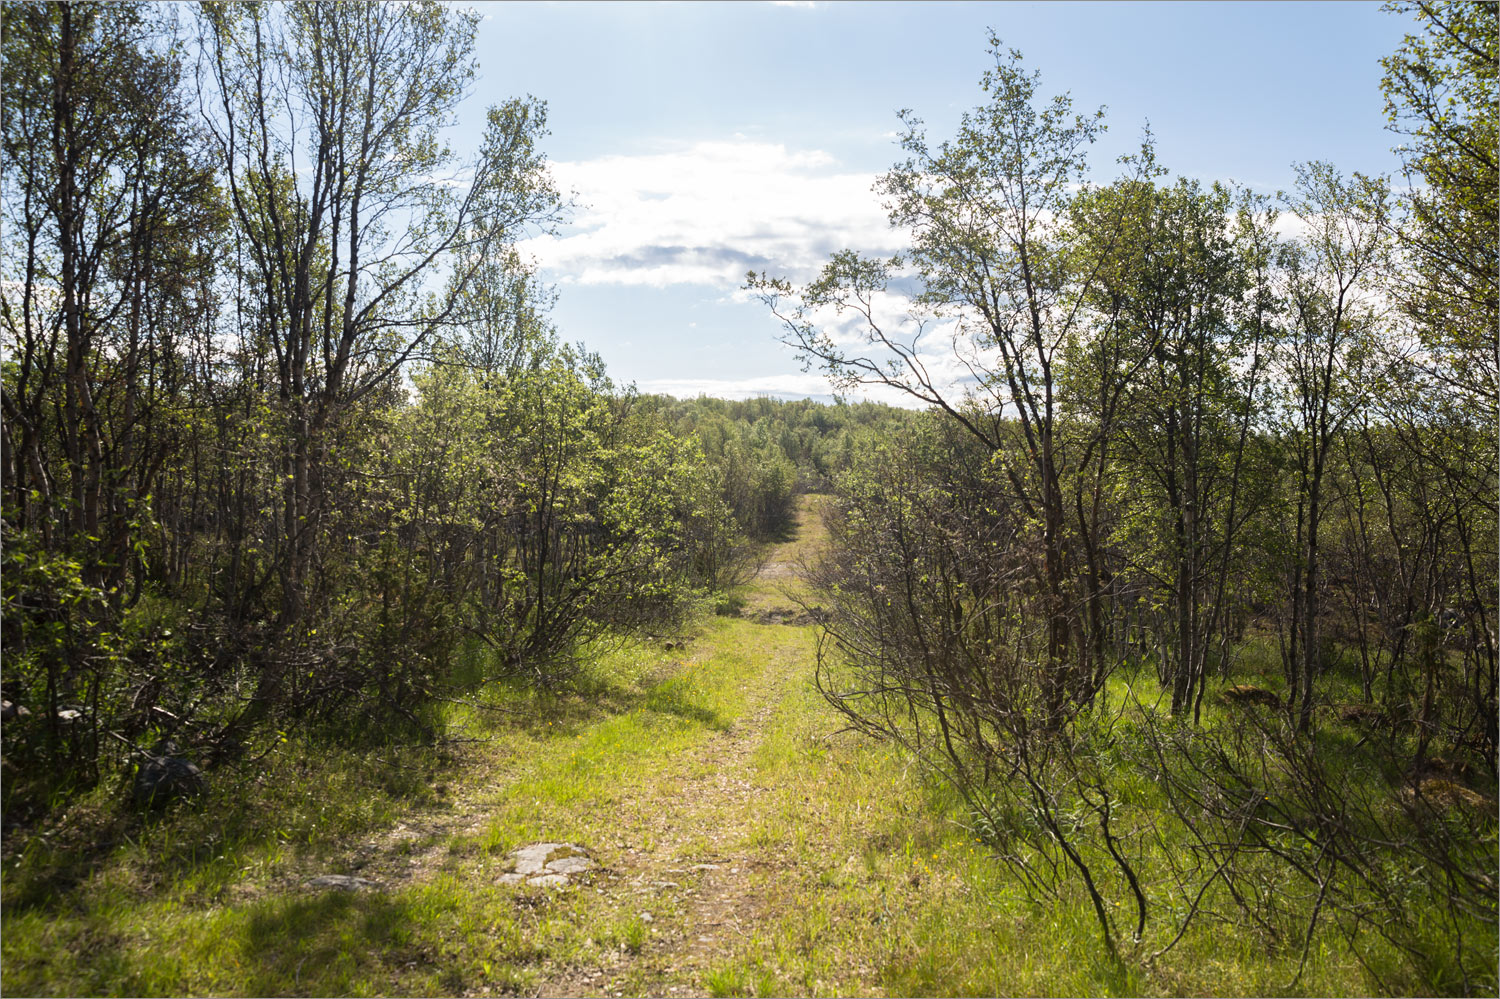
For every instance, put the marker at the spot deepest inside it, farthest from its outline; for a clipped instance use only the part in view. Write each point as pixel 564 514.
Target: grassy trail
pixel 744 848
pixel 720 829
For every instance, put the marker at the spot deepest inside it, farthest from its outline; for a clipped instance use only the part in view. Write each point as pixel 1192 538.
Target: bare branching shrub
pixel 1297 831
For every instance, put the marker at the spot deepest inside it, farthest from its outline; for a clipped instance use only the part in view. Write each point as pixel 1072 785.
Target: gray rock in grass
pixel 547 864
pixel 343 882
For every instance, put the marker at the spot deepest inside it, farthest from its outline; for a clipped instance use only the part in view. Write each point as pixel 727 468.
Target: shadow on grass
pixel 511 705
pixel 253 806
pixel 190 840
pixel 101 965
pixel 674 697
pixel 537 713
pixel 688 712
pixel 320 944
pixel 784 533
pixel 338 942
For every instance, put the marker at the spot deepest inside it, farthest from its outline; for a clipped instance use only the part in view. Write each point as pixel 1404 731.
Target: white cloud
pixel 1290 226
pixel 707 212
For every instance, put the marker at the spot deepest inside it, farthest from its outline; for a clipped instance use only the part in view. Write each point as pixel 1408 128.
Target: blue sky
pixel 706 140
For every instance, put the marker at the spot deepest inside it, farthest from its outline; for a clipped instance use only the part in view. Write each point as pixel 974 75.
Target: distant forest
pixel 1181 569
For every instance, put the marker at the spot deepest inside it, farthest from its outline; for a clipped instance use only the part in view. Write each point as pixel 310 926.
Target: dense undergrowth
pixel 866 873
pixel 287 487
pixel 1361 809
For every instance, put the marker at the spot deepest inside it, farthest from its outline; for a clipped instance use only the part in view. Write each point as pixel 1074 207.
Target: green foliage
pixel 552 510
pixel 265 474
pixel 1164 387
pixel 1440 93
pixel 767 450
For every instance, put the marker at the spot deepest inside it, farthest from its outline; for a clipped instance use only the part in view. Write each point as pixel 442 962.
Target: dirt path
pixel 743 842
pixel 694 887
pixel 695 776
pixel 697 887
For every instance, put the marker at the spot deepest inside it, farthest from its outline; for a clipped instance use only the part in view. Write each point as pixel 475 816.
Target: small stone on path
pixel 570 865
pixel 343 882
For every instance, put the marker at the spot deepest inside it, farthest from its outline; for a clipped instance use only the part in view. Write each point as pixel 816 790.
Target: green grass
pixel 207 899
pixel 925 907
pixel 848 870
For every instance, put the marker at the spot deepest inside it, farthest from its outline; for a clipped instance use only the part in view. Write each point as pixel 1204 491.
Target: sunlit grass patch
pixel 149 905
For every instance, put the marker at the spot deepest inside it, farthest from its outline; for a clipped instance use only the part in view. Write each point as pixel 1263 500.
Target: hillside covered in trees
pixel 1172 584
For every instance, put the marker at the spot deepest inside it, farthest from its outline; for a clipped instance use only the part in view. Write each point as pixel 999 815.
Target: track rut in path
pixel 702 812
